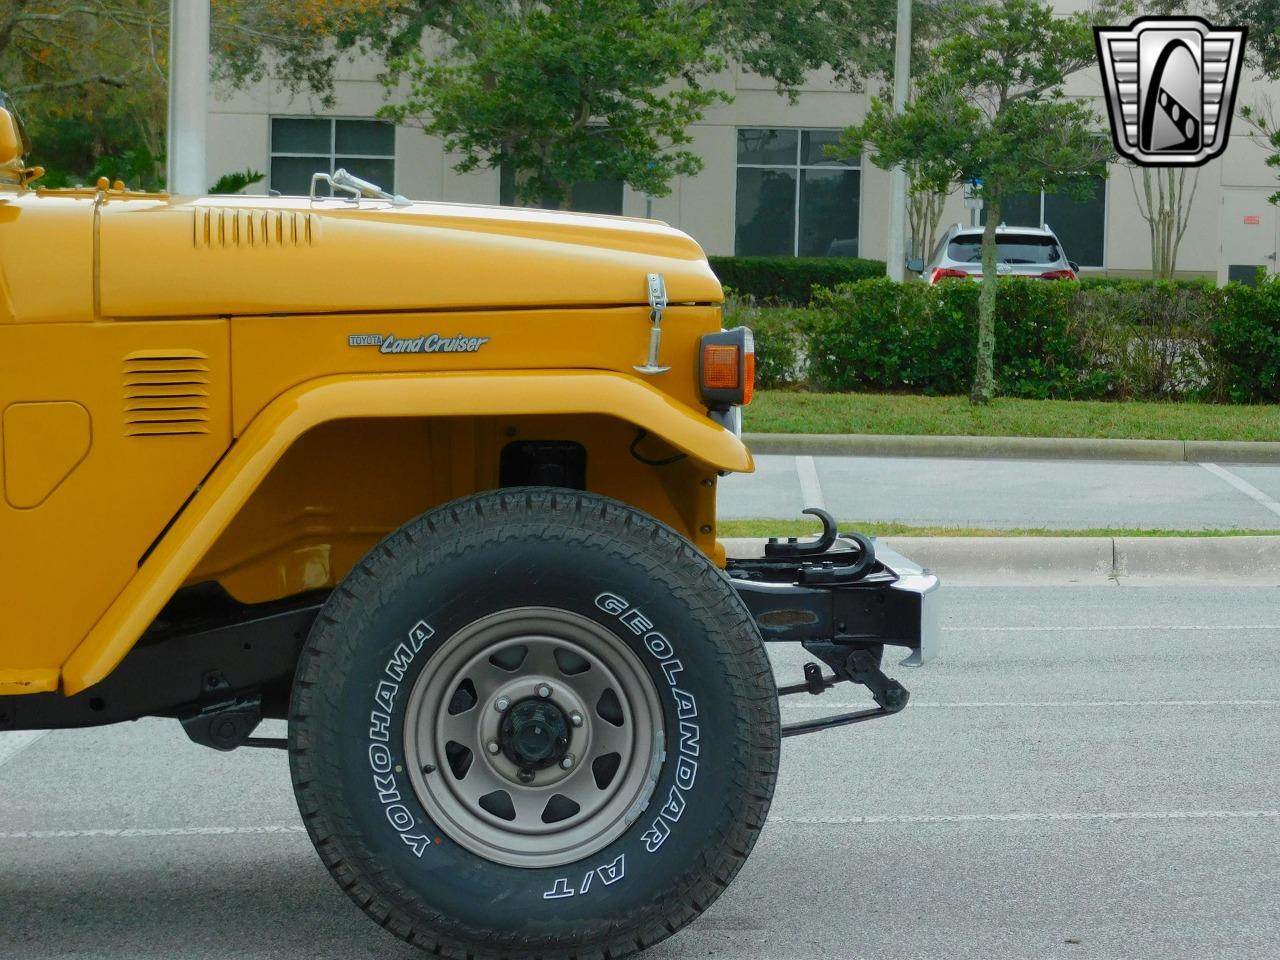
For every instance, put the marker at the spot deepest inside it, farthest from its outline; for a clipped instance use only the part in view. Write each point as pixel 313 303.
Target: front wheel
pixel 534 722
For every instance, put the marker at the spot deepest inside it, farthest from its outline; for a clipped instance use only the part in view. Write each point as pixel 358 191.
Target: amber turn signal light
pixel 727 368
pixel 721 366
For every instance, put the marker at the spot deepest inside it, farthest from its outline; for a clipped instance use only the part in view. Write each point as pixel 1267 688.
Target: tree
pixel 991 110
pixel 927 192
pixel 1266 128
pixel 1262 52
pixel 300 43
pixel 1262 17
pixel 564 92
pixel 235 182
pixel 51 45
pixel 1165 204
pixel 928 185
pixel 90 76
pixel 568 93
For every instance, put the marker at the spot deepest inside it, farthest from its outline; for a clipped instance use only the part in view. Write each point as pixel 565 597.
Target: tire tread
pixel 576 517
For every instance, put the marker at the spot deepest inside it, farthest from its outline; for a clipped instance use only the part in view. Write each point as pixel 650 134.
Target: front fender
pixel 320 401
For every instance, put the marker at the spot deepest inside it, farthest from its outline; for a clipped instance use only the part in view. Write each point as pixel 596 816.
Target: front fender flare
pixel 310 404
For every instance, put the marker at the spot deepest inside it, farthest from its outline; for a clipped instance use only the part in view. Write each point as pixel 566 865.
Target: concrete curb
pixel 1020 448
pixel 1245 559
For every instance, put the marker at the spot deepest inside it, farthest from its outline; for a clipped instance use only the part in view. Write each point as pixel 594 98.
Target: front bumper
pixel 843 598
pixel 897 603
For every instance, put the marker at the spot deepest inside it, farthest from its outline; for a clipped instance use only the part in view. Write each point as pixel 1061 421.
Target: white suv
pixel 1020 252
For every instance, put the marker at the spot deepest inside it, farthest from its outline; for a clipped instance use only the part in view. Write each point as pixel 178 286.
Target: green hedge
pixel 1133 340
pixel 882 335
pixel 790 280
pixel 1246 338
pixel 1139 283
pixel 778 339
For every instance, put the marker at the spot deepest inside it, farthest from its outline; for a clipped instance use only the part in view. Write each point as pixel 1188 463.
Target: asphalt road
pixel 1090 772
pixel 1004 494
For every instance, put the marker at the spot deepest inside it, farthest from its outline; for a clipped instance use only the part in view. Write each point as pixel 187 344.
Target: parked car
pixel 1020 252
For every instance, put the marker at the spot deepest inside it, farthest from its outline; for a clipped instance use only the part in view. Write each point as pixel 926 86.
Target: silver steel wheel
pixel 534 737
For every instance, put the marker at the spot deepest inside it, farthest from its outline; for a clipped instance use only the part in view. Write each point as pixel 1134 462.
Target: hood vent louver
pixel 232 227
pixel 166 393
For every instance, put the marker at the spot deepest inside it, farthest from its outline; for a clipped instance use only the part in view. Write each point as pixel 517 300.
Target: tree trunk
pixel 1167 212
pixel 984 368
pixel 1182 207
pixel 924 210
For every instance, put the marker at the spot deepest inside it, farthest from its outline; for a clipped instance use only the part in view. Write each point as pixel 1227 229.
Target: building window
pixel 301 146
pixel 1081 225
pixel 793 199
pixel 585 196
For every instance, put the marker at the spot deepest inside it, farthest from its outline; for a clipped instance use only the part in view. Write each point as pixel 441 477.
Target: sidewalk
pixel 1019 448
pixel 1055 561
pixel 1007 494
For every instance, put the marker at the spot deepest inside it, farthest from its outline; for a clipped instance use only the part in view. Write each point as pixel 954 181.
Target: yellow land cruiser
pixel 436 483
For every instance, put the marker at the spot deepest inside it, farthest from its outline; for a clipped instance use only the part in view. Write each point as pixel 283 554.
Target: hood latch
pixel 657 303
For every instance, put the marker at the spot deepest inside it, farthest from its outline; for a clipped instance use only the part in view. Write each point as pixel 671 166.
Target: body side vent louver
pixel 166 393
pixel 229 227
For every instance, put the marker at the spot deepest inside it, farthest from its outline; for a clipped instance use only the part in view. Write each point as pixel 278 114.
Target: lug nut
pixel 525 776
pixel 493 746
pixel 544 691
pixel 501 704
pixel 576 719
pixel 567 763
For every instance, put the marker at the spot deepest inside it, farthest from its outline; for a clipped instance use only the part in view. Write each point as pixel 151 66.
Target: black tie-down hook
pixel 828 571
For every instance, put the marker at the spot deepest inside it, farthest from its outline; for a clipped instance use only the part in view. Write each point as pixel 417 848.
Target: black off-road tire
pixel 597 560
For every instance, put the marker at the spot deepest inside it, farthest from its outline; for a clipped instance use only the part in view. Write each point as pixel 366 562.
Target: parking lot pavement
pixel 1088 772
pixel 1005 494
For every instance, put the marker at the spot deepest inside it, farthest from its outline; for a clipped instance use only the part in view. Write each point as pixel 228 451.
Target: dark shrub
pixel 779 362
pixel 790 280
pixel 1139 340
pixel 1246 338
pixel 881 335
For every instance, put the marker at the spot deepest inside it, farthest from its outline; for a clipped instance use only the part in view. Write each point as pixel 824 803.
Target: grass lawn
pixel 810 528
pixel 778 411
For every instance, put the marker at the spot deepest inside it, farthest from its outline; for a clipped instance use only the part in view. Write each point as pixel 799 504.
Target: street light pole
pixel 897 252
pixel 188 95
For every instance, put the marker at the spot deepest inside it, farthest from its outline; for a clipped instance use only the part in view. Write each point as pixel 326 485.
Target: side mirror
pixel 11 146
pixel 915 265
pixel 1075 267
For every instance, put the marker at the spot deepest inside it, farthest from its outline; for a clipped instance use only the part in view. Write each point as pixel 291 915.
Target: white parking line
pixel 810 488
pixel 128 833
pixel 1244 486
pixel 13 742
pixel 1215 627
pixel 1038 817
pixel 818 704
pixel 147 833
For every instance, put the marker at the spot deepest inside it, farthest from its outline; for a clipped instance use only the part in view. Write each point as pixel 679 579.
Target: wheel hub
pixel 534 734
pixel 534 737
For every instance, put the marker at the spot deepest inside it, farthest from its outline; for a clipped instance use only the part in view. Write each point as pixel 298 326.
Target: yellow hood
pixel 226 256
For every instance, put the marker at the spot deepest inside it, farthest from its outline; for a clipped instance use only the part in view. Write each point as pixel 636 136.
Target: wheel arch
pixel 272 433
